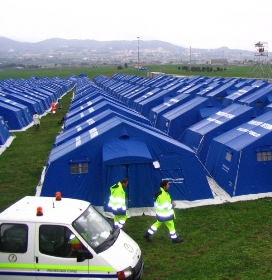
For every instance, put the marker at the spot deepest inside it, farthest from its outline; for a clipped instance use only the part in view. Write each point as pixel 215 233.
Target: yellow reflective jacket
pixel 117 202
pixel 164 207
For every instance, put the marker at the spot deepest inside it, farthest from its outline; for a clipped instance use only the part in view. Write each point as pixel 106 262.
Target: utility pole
pixel 138 53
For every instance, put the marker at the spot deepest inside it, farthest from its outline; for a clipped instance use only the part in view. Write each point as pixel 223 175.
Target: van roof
pixel 64 211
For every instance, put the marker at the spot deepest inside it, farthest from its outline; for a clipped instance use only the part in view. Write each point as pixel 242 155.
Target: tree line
pixel 201 69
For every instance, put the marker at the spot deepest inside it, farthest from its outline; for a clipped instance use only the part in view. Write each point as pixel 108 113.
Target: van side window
pixel 58 241
pixel 13 238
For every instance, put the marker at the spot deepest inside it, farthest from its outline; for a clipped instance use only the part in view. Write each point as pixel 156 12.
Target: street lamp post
pixel 138 53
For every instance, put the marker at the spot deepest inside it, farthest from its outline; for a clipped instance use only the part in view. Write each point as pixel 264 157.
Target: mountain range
pixel 108 52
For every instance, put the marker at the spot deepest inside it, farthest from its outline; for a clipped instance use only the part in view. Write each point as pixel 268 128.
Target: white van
pixel 62 238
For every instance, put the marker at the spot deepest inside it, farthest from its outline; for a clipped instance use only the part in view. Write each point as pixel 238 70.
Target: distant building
pixel 219 61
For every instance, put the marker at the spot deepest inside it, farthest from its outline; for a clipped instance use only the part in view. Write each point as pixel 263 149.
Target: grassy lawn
pixel 231 71
pixel 227 241
pixel 22 163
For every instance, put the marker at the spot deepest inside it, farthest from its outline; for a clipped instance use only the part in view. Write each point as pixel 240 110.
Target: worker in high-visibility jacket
pixel 117 202
pixel 164 212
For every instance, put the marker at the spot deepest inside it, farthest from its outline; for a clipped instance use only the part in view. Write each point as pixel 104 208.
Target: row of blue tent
pixel 185 130
pixel 103 140
pixel 20 98
pixel 202 113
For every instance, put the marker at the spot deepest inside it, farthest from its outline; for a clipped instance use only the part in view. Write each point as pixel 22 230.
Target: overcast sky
pixel 209 24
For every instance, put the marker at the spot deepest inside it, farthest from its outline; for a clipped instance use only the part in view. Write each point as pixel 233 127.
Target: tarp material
pixel 96 120
pixel 258 99
pixel 94 110
pixel 27 114
pixel 13 116
pixel 90 103
pixel 157 111
pixel 241 93
pixel 199 136
pixel 117 149
pixel 4 131
pixel 176 121
pixel 224 90
pixel 32 105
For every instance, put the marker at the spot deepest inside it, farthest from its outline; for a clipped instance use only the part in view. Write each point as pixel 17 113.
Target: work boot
pixel 146 236
pixel 177 240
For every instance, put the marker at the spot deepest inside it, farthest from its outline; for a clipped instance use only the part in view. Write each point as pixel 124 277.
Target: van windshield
pixel 96 230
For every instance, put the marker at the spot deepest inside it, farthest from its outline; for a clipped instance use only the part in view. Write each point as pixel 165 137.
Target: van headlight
pixel 124 274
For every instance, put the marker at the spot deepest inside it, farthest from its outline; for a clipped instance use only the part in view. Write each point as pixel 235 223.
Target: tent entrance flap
pixel 139 192
pixel 130 159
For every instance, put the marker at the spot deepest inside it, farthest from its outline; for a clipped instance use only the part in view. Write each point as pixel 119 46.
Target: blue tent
pixel 258 99
pixel 17 95
pixel 92 111
pixel 122 96
pixel 240 160
pixel 85 167
pixel 157 111
pixel 96 120
pixel 137 92
pixel 167 81
pixel 27 114
pixel 224 90
pixel 176 85
pixel 136 98
pixel 32 105
pixel 121 90
pixel 90 103
pixel 144 106
pixel 199 136
pixel 88 99
pixel 4 132
pixel 161 97
pixel 241 93
pixel 209 88
pixel 176 121
pixel 44 100
pixel 13 116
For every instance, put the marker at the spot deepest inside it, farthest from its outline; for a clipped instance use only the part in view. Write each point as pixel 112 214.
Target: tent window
pixel 228 156
pixel 79 168
pixel 259 104
pixel 264 156
pixel 219 97
pixel 169 162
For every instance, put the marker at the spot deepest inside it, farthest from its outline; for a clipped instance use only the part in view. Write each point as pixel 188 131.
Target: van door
pixel 17 251
pixel 56 252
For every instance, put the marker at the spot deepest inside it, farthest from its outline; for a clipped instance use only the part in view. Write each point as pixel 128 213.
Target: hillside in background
pixel 61 51
pixel 57 44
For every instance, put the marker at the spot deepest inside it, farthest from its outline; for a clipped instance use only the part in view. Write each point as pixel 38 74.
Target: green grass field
pixel 232 71
pixel 227 241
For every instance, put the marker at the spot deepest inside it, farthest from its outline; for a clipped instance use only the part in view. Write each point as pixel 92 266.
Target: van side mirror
pixel 82 255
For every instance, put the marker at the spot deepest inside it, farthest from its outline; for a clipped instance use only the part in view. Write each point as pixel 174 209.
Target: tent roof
pixel 134 151
pixel 189 105
pixel 111 129
pixel 247 133
pixel 219 118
